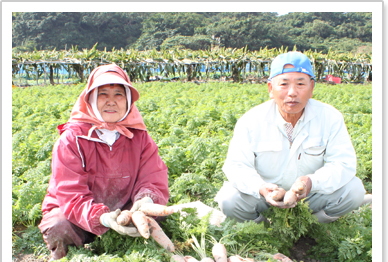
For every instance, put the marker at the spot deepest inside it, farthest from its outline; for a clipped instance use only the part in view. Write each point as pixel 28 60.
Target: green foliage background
pixel 344 32
pixel 192 125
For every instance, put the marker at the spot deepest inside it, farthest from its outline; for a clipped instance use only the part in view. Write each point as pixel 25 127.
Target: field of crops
pixel 192 125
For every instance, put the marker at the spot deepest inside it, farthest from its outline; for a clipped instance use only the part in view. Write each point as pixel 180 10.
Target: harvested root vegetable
pixel 281 257
pixel 125 218
pixel 177 258
pixel 159 236
pixel 299 187
pixel 190 259
pixel 219 253
pixel 139 219
pixel 151 209
pixel 234 259
pixel 245 259
pixel 207 259
pixel 290 198
pixel 278 194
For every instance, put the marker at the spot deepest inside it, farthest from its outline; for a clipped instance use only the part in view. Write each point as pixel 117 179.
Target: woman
pixel 103 162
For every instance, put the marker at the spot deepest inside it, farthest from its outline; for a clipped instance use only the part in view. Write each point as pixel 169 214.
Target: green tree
pixel 196 42
pixel 193 30
pixel 160 26
pixel 61 29
pixel 238 30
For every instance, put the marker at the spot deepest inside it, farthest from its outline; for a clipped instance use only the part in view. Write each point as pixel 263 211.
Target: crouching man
pixel 287 139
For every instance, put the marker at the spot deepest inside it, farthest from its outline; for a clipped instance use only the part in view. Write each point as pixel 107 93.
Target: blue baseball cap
pixel 300 62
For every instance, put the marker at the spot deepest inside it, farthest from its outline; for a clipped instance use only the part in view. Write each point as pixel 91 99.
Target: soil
pixel 300 248
pixel 29 258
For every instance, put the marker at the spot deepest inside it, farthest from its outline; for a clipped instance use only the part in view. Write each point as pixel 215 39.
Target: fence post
pixel 51 74
pixel 20 78
pixel 37 74
pixel 44 71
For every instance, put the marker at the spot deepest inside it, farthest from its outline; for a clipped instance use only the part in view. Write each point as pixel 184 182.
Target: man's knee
pixel 227 199
pixel 356 193
pixel 351 198
pixel 237 205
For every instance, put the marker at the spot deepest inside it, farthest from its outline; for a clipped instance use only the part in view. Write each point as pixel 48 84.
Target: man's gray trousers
pixel 328 208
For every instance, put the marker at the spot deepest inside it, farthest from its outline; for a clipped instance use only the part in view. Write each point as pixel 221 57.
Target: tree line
pixel 320 31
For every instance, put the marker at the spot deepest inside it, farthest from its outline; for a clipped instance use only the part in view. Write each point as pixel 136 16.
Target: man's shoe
pixel 323 217
pixel 260 219
pixel 367 200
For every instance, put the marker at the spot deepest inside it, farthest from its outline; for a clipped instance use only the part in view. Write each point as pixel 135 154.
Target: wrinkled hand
pixel 109 220
pixel 265 191
pixel 307 181
pixel 138 203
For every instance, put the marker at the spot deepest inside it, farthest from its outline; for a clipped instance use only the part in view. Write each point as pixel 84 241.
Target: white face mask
pixel 93 102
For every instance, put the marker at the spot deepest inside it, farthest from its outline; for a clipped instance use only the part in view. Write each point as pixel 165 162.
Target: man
pixel 287 139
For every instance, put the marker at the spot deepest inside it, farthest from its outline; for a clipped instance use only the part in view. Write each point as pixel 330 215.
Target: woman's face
pixel 111 102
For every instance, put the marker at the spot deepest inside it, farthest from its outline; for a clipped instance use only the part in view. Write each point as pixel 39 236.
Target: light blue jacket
pixel 260 152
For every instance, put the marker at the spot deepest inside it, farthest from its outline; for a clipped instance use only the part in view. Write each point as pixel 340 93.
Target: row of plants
pixel 198 64
pixel 192 125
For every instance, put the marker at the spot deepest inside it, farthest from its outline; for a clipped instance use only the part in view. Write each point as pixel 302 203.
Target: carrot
pixel 290 198
pixel 299 187
pixel 219 253
pixel 281 257
pixel 245 259
pixel 124 218
pixel 190 259
pixel 234 259
pixel 177 258
pixel 159 236
pixel 278 194
pixel 140 221
pixel 151 209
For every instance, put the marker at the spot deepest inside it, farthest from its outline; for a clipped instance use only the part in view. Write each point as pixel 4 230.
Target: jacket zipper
pixel 95 140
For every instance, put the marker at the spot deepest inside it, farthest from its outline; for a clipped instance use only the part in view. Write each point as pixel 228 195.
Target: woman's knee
pixel 59 233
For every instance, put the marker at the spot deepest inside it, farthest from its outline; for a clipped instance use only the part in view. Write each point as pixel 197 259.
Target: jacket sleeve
pixel 340 159
pixel 152 178
pixel 239 166
pixel 69 184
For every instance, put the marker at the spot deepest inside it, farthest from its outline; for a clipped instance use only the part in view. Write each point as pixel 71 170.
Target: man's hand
pixel 109 220
pixel 307 181
pixel 138 203
pixel 265 191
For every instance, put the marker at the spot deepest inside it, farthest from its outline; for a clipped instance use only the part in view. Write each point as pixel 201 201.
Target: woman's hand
pixel 138 203
pixel 109 220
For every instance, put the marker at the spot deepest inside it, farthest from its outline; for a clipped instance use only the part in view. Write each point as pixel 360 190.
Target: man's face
pixel 291 92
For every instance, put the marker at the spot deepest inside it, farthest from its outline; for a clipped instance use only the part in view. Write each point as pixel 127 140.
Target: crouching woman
pixel 103 162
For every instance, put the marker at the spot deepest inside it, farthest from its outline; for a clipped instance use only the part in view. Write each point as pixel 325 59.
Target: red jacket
pixel 90 178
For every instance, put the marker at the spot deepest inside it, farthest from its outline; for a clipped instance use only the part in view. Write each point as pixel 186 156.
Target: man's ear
pixel 312 83
pixel 270 89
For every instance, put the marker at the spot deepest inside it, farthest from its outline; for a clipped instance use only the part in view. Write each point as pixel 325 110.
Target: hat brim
pixel 105 79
